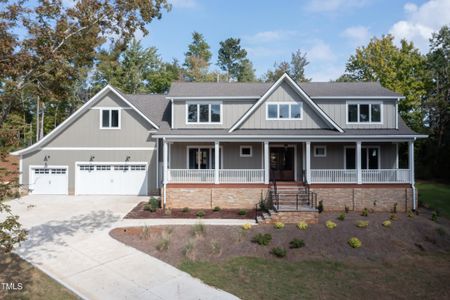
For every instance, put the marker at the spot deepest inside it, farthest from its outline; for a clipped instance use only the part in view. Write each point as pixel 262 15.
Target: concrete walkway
pixel 69 240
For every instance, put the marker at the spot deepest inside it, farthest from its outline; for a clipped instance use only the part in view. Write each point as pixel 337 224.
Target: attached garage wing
pixel 103 178
pixel 49 180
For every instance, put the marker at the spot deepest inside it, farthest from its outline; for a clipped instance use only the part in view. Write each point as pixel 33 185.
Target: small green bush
pixel 354 242
pixel 296 243
pixel 246 226
pixel 387 223
pixel 410 214
pixel 302 225
pixel 330 224
pixel 198 229
pixel 362 224
pixel 217 208
pixel 188 248
pixel 154 203
pixel 279 251
pixel 185 209
pixel 163 245
pixel 200 214
pixel 347 209
pixel 341 217
pixel 393 217
pixel 365 212
pixel 242 212
pixel 320 206
pixel 434 216
pixel 278 225
pixel 262 239
pixel 149 207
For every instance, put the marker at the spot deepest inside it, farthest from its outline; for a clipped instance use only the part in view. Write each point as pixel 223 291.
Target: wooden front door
pixel 282 163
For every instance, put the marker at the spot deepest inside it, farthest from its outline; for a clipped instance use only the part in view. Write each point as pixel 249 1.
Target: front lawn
pixel 36 284
pixel 435 196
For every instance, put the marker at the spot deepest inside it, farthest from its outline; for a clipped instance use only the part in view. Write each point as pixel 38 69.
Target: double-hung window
pixel 204 113
pixel 284 111
pixel 109 118
pixel 364 112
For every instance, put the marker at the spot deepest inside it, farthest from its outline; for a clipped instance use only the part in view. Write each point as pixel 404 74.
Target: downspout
pixel 413 181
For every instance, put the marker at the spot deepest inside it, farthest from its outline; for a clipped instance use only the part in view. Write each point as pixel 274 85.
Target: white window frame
pixel 243 147
pixel 320 147
pixel 110 109
pixel 278 111
pixel 367 156
pixel 358 103
pixel 198 103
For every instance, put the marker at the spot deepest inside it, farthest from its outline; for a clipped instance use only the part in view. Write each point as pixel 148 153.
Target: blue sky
pixel 328 30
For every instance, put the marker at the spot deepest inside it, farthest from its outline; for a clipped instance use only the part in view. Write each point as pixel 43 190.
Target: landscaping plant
pixel 149 207
pixel 242 212
pixel 262 239
pixel 387 223
pixel 347 209
pixel 278 225
pixel 246 226
pixel 341 217
pixel 198 229
pixel 365 212
pixel 296 243
pixel 393 217
pixel 217 208
pixel 354 242
pixel 163 245
pixel 410 214
pixel 434 216
pixel 185 209
pixel 320 206
pixel 362 224
pixel 279 251
pixel 200 214
pixel 330 224
pixel 302 225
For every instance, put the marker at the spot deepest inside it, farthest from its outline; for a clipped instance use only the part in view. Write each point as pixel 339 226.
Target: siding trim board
pixel 98 148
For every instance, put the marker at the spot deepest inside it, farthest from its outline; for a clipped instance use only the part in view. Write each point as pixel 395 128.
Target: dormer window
pixel 109 118
pixel 204 113
pixel 364 113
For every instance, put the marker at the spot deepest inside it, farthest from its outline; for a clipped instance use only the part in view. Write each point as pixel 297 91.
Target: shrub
pixel 149 207
pixel 168 212
pixel 262 239
pixel 354 242
pixel 279 252
pixel 154 202
pixel 320 206
pixel 217 208
pixel 393 217
pixel 362 224
pixel 145 232
pixel 347 209
pixel 185 209
pixel 341 217
pixel 365 212
pixel 302 225
pixel 410 214
pixel 188 248
pixel 387 223
pixel 262 205
pixel 163 245
pixel 246 226
pixel 200 214
pixel 215 247
pixel 434 216
pixel 242 212
pixel 330 224
pixel 296 243
pixel 198 229
pixel 278 225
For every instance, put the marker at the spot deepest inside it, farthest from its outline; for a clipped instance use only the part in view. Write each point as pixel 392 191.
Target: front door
pixel 282 163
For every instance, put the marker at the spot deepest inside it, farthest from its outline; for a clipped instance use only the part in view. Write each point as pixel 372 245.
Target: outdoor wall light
pixel 127 158
pixel 92 158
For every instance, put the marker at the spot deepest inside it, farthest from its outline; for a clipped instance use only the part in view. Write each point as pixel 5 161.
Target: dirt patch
pixel 406 237
pixel 139 213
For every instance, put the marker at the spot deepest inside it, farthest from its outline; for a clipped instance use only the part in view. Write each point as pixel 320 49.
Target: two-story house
pixel 228 144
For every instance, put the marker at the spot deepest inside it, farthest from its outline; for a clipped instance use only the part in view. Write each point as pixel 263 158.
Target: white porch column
pixel 358 162
pixel 216 161
pixel 165 162
pixel 411 161
pixel 266 163
pixel 308 162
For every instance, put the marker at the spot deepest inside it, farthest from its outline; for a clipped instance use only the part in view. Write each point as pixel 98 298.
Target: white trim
pixel 210 147
pixel 367 156
pixel 308 162
pixel 96 148
pixel 246 155
pixel 81 110
pixel 109 107
pixel 157 163
pixel 289 111
pixel 217 151
pixel 198 113
pixel 214 97
pixel 296 88
pixel 359 97
pixel 358 122
pixel 266 162
pixel 296 137
pixel 324 147
pixel 396 156
pixel 31 167
pixel 119 111
pixel 396 114
pixel 171 113
pixel 20 170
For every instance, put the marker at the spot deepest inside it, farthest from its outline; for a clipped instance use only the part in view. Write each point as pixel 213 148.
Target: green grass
pixel 258 278
pixel 36 284
pixel 436 195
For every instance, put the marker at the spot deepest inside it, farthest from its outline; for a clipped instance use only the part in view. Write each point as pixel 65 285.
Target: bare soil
pixel 406 237
pixel 138 212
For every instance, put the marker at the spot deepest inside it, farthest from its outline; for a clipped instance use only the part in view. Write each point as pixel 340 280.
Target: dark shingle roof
pixel 155 107
pixel 257 89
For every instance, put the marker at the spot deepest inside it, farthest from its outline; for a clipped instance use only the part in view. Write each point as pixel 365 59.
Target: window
pixel 204 113
pixel 246 151
pixel 320 151
pixel 202 157
pixel 110 119
pixel 364 113
pixel 284 111
pixel 370 158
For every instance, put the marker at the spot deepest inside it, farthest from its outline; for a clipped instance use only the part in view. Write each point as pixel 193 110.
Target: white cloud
pixel 421 22
pixel 325 72
pixel 269 36
pixel 357 35
pixel 320 51
pixel 184 3
pixel 334 5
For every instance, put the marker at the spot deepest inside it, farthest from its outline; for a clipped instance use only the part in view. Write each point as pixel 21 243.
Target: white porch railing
pixel 191 175
pixel 333 176
pixel 241 175
pixel 386 176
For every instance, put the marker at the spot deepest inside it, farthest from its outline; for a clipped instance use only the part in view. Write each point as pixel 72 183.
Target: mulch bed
pixel 406 236
pixel 139 213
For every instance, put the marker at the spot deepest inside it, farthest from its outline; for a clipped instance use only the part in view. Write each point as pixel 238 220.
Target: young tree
pixel 197 58
pixel 277 72
pixel 231 57
pixel 246 71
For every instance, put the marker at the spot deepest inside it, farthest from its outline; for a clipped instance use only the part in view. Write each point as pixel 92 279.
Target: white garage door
pixel 49 180
pixel 111 179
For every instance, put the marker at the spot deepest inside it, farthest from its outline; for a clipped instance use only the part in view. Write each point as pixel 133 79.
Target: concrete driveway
pixel 69 240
